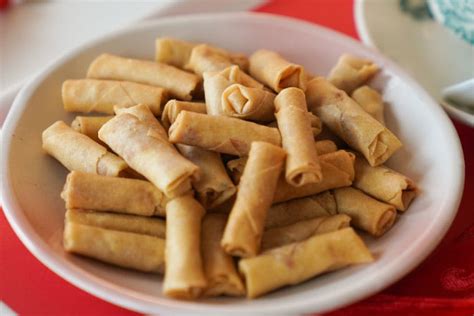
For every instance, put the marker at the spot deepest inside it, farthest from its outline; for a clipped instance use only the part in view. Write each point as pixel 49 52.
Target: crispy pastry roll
pixel 149 153
pixel 178 83
pixel 219 267
pixel 316 125
pixel 173 51
pixel 205 58
pixel 143 113
pixel 174 107
pixel 337 169
pixel 243 232
pixel 350 122
pixel 216 82
pixel 291 212
pixel 302 162
pixel 248 103
pixel 184 277
pixel 284 235
pixel 325 147
pixel 112 194
pixel 214 186
pixel 351 72
pixel 367 213
pixel 300 261
pixel 276 72
pixel 371 101
pixel 90 95
pixel 219 133
pixel 124 249
pixel 78 152
pixel 126 223
pixel 90 125
pixel 384 184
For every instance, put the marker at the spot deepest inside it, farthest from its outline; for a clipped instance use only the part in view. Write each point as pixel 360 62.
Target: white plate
pixel 431 53
pixel 432 156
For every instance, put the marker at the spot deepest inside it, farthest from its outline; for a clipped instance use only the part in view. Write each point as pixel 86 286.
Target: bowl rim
pixel 126 298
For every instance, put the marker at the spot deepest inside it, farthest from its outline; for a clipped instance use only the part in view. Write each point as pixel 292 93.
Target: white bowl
pixel 432 156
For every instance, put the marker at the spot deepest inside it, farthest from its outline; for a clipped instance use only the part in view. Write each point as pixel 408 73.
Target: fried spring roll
pixel 90 95
pixel 367 213
pixel 248 103
pixel 287 213
pixel 178 83
pixel 90 125
pixel 214 186
pixel 297 262
pixel 184 277
pixel 351 72
pixel 302 162
pixel 173 51
pixel 205 58
pixel 325 147
pixel 337 169
pixel 120 222
pixel 316 125
pixel 112 194
pixel 276 72
pixel 219 267
pixel 371 101
pixel 174 107
pixel 149 153
pixel 78 152
pixel 124 249
pixel 144 114
pixel 219 133
pixel 216 82
pixel 244 229
pixel 284 235
pixel 350 122
pixel 384 184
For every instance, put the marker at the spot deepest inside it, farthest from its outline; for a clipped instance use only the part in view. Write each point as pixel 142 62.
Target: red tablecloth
pixel 442 285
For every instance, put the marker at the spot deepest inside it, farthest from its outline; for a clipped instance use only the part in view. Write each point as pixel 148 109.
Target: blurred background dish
pixel 405 31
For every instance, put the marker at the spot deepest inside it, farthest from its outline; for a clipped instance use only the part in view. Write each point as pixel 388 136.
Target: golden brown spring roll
pixel 325 147
pixel 244 229
pixel 302 162
pixel 90 125
pixel 276 72
pixel 143 113
pixel 90 95
pixel 371 101
pixel 384 184
pixel 184 277
pixel 112 194
pixel 215 83
pixel 284 235
pixel 205 58
pixel 149 153
pixel 290 212
pixel 236 166
pixel 248 103
pixel 76 151
pixel 349 121
pixel 214 186
pixel 124 249
pixel 178 83
pixel 351 72
pixel 316 125
pixel 337 169
pixel 126 223
pixel 219 133
pixel 173 51
pixel 297 262
pixel 367 213
pixel 174 107
pixel 219 267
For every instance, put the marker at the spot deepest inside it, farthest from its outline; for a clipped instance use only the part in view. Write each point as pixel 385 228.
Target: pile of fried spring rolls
pixel 207 166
